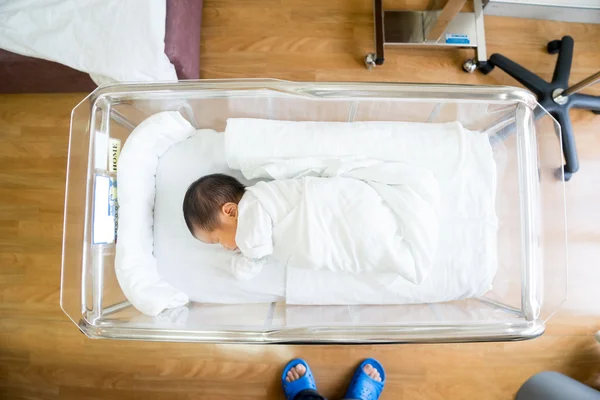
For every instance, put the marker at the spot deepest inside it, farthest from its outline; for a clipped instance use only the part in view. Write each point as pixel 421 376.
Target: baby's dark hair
pixel 205 197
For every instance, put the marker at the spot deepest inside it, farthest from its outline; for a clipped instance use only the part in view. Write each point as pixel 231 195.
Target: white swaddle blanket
pixel 373 215
pixel 352 215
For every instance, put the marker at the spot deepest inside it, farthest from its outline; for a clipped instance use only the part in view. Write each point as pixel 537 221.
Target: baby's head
pixel 210 209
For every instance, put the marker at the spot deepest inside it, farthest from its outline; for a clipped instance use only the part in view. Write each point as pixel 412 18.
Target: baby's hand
pixel 245 268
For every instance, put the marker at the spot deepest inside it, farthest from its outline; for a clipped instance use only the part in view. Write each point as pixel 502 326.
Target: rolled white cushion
pixel 438 147
pixel 135 263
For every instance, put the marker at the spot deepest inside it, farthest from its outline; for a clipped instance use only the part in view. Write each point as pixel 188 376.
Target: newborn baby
pixel 212 207
pixel 339 224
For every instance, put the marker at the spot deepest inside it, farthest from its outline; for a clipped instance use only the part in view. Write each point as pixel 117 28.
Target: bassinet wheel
pixel 470 66
pixel 553 47
pixel 370 61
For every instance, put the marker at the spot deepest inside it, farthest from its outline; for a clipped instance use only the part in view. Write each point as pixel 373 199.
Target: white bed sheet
pixel 203 272
pixel 112 40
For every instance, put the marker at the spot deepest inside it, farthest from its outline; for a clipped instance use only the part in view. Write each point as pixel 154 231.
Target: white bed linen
pixel 462 161
pixel 112 40
pixel 466 257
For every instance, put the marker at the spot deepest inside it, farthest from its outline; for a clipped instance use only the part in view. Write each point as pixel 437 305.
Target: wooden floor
pixel 43 355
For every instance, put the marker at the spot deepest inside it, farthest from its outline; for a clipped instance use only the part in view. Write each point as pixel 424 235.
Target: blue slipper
pixel 362 387
pixel 291 389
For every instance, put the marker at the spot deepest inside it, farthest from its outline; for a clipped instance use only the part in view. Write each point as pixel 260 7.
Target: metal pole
pixel 590 80
pixel 480 31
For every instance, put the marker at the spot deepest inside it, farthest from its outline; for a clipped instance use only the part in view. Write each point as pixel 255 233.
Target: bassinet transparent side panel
pixel 88 277
pixel 553 248
pixel 212 112
pixel 508 283
pixel 74 278
pixel 91 293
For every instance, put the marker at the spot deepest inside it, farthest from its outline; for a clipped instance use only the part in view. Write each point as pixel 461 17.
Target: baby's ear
pixel 230 209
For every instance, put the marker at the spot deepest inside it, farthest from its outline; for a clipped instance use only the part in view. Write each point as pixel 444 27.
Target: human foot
pixel 372 372
pixel 368 381
pixel 295 373
pixel 297 377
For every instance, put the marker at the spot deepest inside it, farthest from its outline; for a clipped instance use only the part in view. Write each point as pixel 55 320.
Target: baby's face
pixel 223 235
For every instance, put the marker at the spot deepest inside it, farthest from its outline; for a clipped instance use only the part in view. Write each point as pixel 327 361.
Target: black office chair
pixel 555 96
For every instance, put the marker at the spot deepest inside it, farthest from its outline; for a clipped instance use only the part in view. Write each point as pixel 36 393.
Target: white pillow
pixel 112 40
pixel 135 264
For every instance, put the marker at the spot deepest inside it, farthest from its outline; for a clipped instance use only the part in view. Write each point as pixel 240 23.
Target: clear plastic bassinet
pixel 532 254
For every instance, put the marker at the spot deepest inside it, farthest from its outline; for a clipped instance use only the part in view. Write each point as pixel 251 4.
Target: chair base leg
pixel 545 94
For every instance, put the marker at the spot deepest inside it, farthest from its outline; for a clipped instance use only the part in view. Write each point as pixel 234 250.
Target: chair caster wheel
pixel 558 174
pixel 370 61
pixel 470 66
pixel 486 67
pixel 553 47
